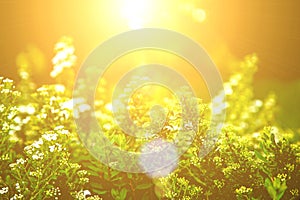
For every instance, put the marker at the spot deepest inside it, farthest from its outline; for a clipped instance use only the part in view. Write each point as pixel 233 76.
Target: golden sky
pixel 228 30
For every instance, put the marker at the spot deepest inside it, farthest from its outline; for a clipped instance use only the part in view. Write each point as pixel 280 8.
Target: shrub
pixel 43 158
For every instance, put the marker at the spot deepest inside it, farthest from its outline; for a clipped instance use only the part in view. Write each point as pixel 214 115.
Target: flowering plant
pixel 41 156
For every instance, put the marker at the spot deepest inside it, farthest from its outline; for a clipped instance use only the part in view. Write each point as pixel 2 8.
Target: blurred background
pixel 228 30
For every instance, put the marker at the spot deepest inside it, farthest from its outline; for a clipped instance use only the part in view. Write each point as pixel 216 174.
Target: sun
pixel 136 12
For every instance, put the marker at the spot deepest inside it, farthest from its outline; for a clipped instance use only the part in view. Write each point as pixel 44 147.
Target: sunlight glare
pixel 136 12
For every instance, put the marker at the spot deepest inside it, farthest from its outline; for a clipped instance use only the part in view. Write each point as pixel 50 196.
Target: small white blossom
pixel 86 193
pixel 5 91
pixel 27 109
pixel 4 190
pixel 26 120
pixel 18 187
pixel 21 161
pixel 65 132
pixel 17 120
pixel 107 126
pixel 51 148
pixel 2 107
pixel 59 127
pixel 67 105
pixel 50 137
pixel 37 144
pixel 58 147
pixel 60 88
pixel 17 196
pixel 38 156
pixel 61 130
pixel 7 80
pixel 12 165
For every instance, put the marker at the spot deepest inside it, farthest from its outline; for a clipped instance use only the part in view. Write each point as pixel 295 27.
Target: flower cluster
pixel 48 152
pixel 249 160
pixel 179 188
pixel 64 57
pixel 41 156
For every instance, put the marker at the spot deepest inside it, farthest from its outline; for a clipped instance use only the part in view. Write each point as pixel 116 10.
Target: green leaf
pixel 8 179
pixel 114 173
pixel 259 156
pixel 280 195
pixel 94 168
pixel 276 183
pixel 283 186
pixel 96 185
pixel 266 171
pixel 144 186
pixel 123 193
pixel 273 138
pixel 93 173
pixel 105 176
pixel 272 192
pixel 265 136
pixel 99 192
pixel 268 182
pixel 114 193
pixel 116 178
pixel 262 146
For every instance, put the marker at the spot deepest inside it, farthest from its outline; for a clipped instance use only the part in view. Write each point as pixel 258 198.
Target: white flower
pixel 61 130
pixel 50 137
pixel 17 196
pixel 30 110
pixel 64 132
pixel 27 109
pixel 107 126
pixel 59 127
pixel 4 190
pixel 6 91
pixel 258 103
pixel 17 120
pixel 35 157
pixel 256 134
pixel 5 126
pixel 28 149
pixel 12 165
pixel 58 147
pixel 37 144
pixel 228 89
pixel 67 105
pixel 21 161
pixel 7 80
pixel 51 148
pixel 86 193
pixel 14 128
pixel 38 156
pixel 2 107
pixel 11 115
pixel 109 107
pixel 26 120
pixel 18 188
pixel 60 88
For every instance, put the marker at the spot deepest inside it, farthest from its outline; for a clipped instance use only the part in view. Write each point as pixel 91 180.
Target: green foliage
pixel 35 148
pixel 249 161
pixel 275 188
pixel 8 124
pixel 43 158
